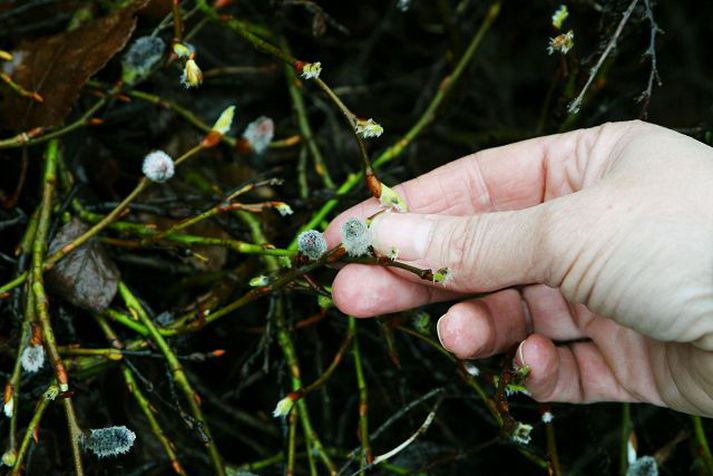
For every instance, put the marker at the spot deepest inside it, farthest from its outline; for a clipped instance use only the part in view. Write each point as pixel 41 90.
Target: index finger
pixel 510 177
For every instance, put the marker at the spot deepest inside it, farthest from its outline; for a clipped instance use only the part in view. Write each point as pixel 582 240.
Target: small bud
pixel 521 373
pixel 368 128
pixel 283 407
pixel 283 209
pixel 225 121
pixel 311 70
pixel 183 50
pixel 8 400
pixel 393 253
pixel 311 244
pixel 631 448
pixel 391 200
pixel 547 417
pixel 559 16
pixel 324 302
pixel 521 433
pixel 422 323
pixel 259 281
pixel 644 466
pixel 141 58
pixel 33 358
pixel 220 128
pixel 158 166
pixel 8 407
pixel 515 388
pixel 192 75
pixel 403 5
pixel 9 458
pixel 52 392
pixel 562 43
pixel 110 441
pixel 259 134
pixel 443 276
pixel 356 237
pixel 472 369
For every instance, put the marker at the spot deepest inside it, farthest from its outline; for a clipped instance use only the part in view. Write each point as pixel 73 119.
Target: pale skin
pixel 602 236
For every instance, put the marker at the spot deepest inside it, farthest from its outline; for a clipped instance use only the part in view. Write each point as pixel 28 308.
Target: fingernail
pixel 438 329
pixel 405 233
pixel 519 360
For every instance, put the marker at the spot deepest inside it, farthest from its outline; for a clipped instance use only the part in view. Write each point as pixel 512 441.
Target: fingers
pixel 510 177
pixel 365 291
pixel 617 365
pixel 551 314
pixel 491 325
pixel 483 253
pixel 576 373
pixel 483 327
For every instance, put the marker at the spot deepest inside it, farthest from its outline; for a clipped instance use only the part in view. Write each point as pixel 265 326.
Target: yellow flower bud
pixel 192 74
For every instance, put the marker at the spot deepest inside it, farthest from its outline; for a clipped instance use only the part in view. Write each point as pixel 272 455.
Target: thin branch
pixel 428 116
pixel 650 52
pixel 178 374
pixel 575 105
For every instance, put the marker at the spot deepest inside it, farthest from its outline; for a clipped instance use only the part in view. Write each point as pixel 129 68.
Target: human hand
pixel 607 234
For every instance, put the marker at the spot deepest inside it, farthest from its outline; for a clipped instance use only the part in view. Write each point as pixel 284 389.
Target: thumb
pixel 483 252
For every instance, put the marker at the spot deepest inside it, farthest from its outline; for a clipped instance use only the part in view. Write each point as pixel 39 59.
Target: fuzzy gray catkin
pixel 109 441
pixel 311 244
pixel 143 55
pixel 356 237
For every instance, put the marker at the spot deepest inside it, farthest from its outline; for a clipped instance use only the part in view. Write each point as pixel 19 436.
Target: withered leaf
pixel 87 277
pixel 58 66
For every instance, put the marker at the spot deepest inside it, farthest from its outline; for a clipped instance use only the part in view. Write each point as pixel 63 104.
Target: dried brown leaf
pixel 87 277
pixel 58 66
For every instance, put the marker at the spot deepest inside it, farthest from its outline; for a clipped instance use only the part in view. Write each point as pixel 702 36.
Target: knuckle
pixel 547 245
pixel 460 245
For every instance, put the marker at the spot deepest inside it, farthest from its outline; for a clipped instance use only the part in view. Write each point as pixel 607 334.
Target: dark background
pixel 386 64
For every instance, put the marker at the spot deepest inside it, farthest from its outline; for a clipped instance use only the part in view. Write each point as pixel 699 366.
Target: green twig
pixel 288 349
pixel 32 427
pixel 19 90
pixel 37 135
pixel 39 249
pixel 75 434
pixel 552 453
pixel 187 239
pixel 294 87
pixel 243 30
pixel 425 120
pixel 177 20
pixel 366 456
pixel 703 445
pixel 142 401
pixel 178 373
pixel 143 184
pixel 292 445
pixel 24 250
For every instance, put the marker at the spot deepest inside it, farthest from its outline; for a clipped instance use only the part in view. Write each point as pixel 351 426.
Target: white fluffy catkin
pixel 259 134
pixel 356 237
pixel 312 244
pixel 141 58
pixel 109 441
pixel 33 358
pixel 158 166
